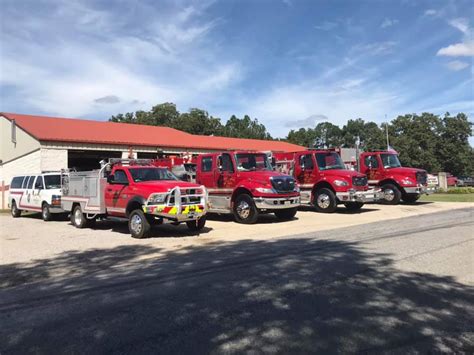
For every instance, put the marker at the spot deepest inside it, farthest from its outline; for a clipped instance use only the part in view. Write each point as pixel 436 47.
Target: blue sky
pixel 289 63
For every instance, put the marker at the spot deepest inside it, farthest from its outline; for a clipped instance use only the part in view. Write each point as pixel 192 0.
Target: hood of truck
pixel 348 174
pixel 260 176
pixel 404 171
pixel 163 185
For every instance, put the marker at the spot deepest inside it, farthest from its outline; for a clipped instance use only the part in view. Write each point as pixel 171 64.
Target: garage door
pixel 89 159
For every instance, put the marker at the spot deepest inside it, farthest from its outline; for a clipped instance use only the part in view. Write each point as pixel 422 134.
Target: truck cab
pixel 384 170
pixel 324 180
pixel 243 183
pixel 134 190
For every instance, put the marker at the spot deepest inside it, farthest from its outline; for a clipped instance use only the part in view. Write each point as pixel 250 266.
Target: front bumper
pixel 181 214
pixel 359 196
pixel 276 203
pixel 421 190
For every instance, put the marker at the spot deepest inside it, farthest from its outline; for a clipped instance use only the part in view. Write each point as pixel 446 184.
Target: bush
pixel 457 190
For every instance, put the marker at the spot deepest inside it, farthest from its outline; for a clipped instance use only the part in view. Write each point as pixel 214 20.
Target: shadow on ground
pixel 283 296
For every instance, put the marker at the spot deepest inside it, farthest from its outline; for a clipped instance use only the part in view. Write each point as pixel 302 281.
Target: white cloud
pixel 327 26
pixel 460 49
pixel 431 12
pixel 307 122
pixel 457 65
pixel 377 48
pixel 71 59
pixel 387 22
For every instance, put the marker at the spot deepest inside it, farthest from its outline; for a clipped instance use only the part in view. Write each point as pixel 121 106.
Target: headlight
pixel 407 181
pixel 265 190
pixel 157 198
pixel 341 183
pixel 297 189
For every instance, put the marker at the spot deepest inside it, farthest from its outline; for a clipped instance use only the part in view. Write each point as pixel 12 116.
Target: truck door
pixel 225 174
pixel 305 169
pixel 37 192
pixel 372 167
pixel 205 171
pixel 116 193
pixel 26 201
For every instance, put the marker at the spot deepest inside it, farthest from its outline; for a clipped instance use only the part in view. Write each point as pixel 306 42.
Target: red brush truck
pixel 384 170
pixel 324 180
pixel 136 190
pixel 243 183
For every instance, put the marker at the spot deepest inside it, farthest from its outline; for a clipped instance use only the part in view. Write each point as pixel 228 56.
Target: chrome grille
pixel 283 184
pixel 421 177
pixel 359 180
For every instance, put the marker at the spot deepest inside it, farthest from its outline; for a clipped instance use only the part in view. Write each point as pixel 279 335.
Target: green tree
pixel 198 121
pixel 327 135
pixel 245 128
pixel 304 137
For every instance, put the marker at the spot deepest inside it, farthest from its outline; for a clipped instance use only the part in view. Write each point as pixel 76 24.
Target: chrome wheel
pixel 45 213
pixel 388 194
pixel 78 216
pixel 243 209
pixel 323 201
pixel 136 224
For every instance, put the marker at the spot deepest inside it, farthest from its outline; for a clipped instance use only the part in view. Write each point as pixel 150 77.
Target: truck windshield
pixel 252 162
pixel 151 174
pixel 52 181
pixel 329 161
pixel 390 161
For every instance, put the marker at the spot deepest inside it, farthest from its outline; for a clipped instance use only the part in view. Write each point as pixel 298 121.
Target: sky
pixel 288 63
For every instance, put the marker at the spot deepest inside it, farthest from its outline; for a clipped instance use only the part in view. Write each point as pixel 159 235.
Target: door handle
pixel 109 190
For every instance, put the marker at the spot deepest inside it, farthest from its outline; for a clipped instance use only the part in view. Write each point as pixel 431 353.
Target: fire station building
pixel 31 144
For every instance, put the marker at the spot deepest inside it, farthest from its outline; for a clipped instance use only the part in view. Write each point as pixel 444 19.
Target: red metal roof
pixel 56 129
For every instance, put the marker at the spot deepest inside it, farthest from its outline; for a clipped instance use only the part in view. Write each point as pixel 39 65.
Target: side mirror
pixel 110 179
pixel 220 168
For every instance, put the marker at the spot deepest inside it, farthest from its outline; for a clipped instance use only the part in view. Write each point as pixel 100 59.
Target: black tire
pixel 244 210
pixel 353 206
pixel 138 224
pixel 198 225
pixel 410 198
pixel 15 211
pixel 286 214
pixel 325 200
pixel 391 194
pixel 46 213
pixel 79 220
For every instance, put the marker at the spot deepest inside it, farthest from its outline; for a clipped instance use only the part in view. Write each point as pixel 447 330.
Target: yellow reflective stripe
pixel 174 210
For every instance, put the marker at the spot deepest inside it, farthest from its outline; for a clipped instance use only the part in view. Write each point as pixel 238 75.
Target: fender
pixel 133 201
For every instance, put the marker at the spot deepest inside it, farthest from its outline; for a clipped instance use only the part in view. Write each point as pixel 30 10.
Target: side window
pixel 39 183
pixel 307 161
pixel 226 162
pixel 31 181
pixel 25 182
pixel 206 164
pixel 17 182
pixel 371 160
pixel 120 176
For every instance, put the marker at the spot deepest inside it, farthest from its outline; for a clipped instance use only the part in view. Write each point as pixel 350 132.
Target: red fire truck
pixel 385 171
pixel 135 190
pixel 324 180
pixel 243 183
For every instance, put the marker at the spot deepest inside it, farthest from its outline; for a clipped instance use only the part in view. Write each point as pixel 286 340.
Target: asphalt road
pixel 398 286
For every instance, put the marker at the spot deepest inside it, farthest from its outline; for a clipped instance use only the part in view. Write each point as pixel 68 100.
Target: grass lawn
pixel 448 197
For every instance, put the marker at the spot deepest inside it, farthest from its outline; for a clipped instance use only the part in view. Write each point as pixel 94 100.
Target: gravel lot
pixel 28 238
pixel 402 286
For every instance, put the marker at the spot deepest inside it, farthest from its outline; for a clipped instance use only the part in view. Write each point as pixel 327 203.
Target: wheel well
pixel 240 191
pixel 321 185
pixel 74 206
pixel 390 181
pixel 133 205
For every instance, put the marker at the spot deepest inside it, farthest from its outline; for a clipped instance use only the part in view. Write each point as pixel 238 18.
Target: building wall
pixel 27 164
pixel 25 143
pixel 53 159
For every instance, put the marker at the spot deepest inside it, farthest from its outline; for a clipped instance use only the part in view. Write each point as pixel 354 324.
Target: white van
pixel 38 193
